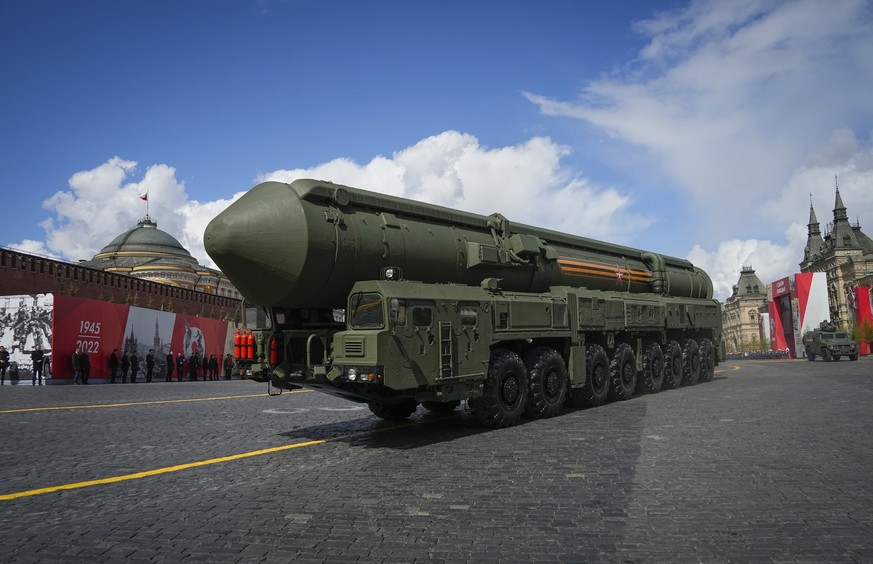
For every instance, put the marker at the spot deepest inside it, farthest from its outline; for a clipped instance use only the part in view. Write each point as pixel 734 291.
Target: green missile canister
pixel 306 243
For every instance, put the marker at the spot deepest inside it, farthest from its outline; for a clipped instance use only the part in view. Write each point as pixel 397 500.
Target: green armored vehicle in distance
pixel 829 343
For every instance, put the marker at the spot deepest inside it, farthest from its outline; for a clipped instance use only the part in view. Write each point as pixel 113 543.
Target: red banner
pixel 99 327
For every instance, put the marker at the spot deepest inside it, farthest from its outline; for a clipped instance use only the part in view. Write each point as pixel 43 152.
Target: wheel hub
pixel 509 390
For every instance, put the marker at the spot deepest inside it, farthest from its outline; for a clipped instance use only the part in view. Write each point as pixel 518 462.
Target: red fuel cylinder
pixel 237 344
pixel 274 351
pixel 250 346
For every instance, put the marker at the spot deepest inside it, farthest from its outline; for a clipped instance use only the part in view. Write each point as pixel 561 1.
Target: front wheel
pixel 393 411
pixel 826 355
pixel 810 356
pixel 548 383
pixel 505 392
pixel 853 357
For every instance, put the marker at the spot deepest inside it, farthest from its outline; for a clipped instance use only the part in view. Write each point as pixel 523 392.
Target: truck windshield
pixel 256 317
pixel 365 311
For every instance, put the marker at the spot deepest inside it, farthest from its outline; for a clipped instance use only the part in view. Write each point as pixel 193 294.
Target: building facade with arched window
pixel 740 315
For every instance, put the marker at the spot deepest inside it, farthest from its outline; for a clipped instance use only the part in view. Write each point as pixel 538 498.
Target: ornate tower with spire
pixel 842 235
pixel 814 242
pixel 844 254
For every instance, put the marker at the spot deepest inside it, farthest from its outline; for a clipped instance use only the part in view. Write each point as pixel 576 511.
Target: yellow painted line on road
pixel 155 402
pixel 168 469
pixel 732 369
pixel 187 466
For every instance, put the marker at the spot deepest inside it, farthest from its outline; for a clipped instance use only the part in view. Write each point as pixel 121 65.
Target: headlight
pixel 364 374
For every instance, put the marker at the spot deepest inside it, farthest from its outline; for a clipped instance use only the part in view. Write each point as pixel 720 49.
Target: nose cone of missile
pixel 260 242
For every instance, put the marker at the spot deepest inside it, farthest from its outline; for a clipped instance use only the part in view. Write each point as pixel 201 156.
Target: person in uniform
pixel 125 366
pixel 113 366
pixel 150 365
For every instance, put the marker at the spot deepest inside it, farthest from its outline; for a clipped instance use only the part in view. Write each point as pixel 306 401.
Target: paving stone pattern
pixel 770 462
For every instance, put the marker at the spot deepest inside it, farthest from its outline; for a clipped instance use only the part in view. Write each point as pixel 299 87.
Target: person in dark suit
pixel 4 364
pixel 76 361
pixel 228 366
pixel 125 366
pixel 113 366
pixel 213 367
pixel 180 366
pixel 134 368
pixel 150 365
pixel 37 357
pixel 193 367
pixel 85 364
pixel 171 361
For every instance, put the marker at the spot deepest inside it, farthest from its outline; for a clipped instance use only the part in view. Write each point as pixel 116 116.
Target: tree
pixel 864 331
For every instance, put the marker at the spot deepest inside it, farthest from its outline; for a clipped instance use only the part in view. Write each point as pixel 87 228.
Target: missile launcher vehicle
pixel 398 303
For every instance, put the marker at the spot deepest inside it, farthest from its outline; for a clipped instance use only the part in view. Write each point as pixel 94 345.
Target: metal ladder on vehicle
pixel 446 351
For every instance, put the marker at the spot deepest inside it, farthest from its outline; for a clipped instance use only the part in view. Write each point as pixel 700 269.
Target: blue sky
pixel 697 129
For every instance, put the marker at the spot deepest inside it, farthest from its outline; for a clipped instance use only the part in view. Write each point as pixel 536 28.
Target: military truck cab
pixel 829 343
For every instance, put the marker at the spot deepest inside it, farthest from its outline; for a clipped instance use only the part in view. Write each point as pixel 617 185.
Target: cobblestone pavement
pixel 770 462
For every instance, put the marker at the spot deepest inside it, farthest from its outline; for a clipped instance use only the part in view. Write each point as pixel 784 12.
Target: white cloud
pixel 771 261
pixel 526 183
pixel 104 202
pixel 734 102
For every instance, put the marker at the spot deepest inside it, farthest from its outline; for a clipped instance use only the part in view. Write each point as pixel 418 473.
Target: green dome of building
pixel 152 254
pixel 144 244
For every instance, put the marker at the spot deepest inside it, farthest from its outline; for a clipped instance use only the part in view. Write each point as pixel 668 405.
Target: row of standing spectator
pixel 192 368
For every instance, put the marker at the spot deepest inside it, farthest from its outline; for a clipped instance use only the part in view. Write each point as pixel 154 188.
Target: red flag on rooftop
pixel 144 197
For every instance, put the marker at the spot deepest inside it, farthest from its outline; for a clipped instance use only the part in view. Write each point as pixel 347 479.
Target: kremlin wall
pixel 141 292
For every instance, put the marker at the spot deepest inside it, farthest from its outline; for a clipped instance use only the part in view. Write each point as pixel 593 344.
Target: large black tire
pixel 393 411
pixel 836 357
pixel 707 360
pixel 853 356
pixel 672 365
pixel 690 362
pixel 547 383
pixel 826 355
pixel 440 406
pixel 810 356
pixel 595 391
pixel 622 373
pixel 505 393
pixel 653 369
